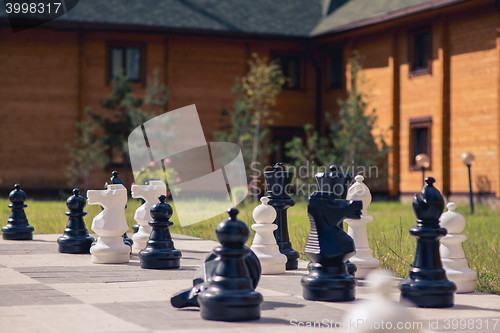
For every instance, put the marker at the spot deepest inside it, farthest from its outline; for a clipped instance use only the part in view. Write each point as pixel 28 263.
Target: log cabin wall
pixel 50 77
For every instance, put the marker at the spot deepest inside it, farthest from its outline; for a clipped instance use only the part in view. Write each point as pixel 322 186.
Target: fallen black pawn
pixel 203 277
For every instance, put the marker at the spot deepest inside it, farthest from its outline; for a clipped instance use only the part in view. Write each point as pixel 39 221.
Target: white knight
pixel 150 194
pixel 109 225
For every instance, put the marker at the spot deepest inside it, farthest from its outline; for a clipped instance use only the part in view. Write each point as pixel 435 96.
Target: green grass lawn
pixel 388 234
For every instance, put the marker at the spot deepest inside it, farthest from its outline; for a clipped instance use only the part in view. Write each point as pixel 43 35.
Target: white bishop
pixel 363 258
pixel 264 244
pixel 452 254
pixel 142 215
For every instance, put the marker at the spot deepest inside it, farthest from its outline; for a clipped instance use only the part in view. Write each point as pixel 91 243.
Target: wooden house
pixel 432 68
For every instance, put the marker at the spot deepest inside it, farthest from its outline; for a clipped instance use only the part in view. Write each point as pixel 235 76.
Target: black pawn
pixel 328 246
pixel 159 252
pixel 76 237
pixel 17 227
pixel 277 182
pixel 427 285
pixel 231 295
pixel 116 180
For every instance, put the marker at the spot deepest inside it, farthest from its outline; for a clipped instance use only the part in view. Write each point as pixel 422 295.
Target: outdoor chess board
pixel 42 290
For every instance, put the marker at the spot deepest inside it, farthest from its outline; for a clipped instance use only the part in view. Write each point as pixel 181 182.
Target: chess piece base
pixel 141 237
pixel 271 260
pixel 75 244
pixel 428 293
pixel 330 284
pixel 458 271
pixel 160 259
pixel 237 306
pixel 17 232
pixel 110 250
pixel 291 255
pixel 364 262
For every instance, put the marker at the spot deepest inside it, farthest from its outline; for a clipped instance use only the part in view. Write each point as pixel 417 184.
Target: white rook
pixel 110 225
pixel 452 253
pixel 264 244
pixel 150 194
pixel 363 258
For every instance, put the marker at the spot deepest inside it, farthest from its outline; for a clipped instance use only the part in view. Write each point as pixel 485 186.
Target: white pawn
pixel 264 244
pixel 150 194
pixel 452 254
pixel 363 258
pixel 380 314
pixel 109 225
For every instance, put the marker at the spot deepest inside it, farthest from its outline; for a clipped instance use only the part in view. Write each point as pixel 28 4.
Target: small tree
pixel 128 112
pixel 257 92
pixel 350 140
pixel 87 154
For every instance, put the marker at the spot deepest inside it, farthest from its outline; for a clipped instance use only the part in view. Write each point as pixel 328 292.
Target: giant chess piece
pixel 277 182
pixel 160 252
pixel 142 215
pixel 452 253
pixel 117 181
pixel 363 258
pixel 337 184
pixel 231 295
pixel 380 314
pixel 328 245
pixel 109 225
pixel 76 237
pixel 17 227
pixel 203 278
pixel 427 285
pixel 264 244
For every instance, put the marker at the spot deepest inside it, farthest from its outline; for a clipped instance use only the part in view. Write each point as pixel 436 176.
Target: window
pixel 420 139
pixel 279 137
pixel 335 68
pixel 420 51
pixel 290 65
pixel 126 59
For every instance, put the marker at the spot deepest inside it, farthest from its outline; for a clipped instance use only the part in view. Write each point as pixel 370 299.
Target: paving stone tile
pixel 30 294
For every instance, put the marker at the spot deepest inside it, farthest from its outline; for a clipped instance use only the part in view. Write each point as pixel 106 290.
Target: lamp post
pixel 469 159
pixel 423 161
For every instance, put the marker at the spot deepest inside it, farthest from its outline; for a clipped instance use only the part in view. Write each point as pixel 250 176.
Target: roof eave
pixel 380 18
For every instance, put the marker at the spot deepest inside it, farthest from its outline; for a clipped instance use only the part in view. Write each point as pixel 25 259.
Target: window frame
pixel 415 123
pixel 302 72
pixel 411 52
pixel 125 44
pixel 329 53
